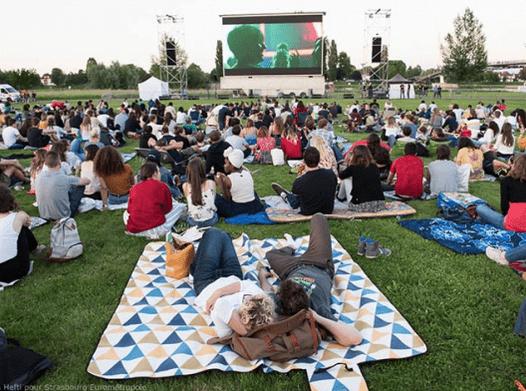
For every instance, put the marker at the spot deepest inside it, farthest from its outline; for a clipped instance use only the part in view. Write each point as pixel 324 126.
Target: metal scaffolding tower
pixel 376 45
pixel 171 40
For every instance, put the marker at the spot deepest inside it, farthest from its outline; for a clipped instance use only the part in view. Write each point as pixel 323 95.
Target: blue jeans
pixel 117 199
pixel 76 148
pixel 206 223
pixel 293 200
pixel 75 196
pixel 228 209
pixel 516 254
pixel 391 140
pixel 215 258
pixel 337 153
pixel 489 216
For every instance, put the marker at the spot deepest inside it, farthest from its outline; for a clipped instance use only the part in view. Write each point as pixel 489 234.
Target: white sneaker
pixel 497 255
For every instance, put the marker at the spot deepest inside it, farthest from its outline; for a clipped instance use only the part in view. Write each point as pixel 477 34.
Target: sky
pixel 42 36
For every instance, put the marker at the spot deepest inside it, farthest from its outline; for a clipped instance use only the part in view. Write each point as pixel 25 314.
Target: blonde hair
pixel 319 143
pixel 257 311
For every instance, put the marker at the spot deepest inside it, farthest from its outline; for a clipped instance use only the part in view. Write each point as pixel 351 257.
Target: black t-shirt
pixel 131 126
pixel 36 139
pixel 215 158
pixel 186 142
pixel 366 183
pixel 316 190
pixel 143 140
pixel 75 122
pixel 267 120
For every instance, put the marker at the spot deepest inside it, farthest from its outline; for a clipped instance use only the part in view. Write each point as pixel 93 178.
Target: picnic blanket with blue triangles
pixel 156 331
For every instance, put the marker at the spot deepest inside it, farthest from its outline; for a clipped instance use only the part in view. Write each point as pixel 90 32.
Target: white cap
pixel 234 156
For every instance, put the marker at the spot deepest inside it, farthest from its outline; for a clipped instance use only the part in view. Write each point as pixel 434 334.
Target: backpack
pixel 292 337
pixel 65 241
pixel 19 366
pixel 457 207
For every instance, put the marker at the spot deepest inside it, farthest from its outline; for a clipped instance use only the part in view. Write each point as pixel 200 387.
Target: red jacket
pixel 149 201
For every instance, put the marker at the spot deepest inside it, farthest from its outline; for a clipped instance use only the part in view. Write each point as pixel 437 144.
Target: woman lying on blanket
pixel 512 199
pixel 306 281
pixel 234 304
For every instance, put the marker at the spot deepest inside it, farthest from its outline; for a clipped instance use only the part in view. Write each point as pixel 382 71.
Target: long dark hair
pixel 196 176
pixel 507 134
pixel 373 143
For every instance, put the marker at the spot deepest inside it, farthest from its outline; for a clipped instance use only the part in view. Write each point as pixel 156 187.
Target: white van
pixel 6 91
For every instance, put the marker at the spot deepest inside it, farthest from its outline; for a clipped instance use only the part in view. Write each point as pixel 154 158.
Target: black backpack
pixel 19 366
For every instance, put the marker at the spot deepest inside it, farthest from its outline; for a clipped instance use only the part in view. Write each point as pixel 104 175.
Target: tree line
pixel 464 58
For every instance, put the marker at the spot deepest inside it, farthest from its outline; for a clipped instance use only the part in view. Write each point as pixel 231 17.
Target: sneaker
pixel 374 250
pixel 361 245
pixel 497 255
pixel 280 190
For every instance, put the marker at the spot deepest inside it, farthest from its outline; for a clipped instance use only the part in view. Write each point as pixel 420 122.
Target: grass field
pixel 464 307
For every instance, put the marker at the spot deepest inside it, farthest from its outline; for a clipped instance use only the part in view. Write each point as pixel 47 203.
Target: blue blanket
pixel 245 219
pixel 462 238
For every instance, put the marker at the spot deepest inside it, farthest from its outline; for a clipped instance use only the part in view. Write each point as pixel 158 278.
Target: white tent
pixel 153 88
pixel 394 87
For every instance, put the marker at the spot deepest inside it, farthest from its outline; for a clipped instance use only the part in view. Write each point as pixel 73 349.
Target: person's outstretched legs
pixel 215 258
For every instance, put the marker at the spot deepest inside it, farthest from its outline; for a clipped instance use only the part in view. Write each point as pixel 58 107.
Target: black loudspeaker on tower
pixel 377 50
pixel 170 53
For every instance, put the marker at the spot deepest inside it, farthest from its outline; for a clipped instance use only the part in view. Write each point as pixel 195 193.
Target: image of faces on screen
pixel 272 48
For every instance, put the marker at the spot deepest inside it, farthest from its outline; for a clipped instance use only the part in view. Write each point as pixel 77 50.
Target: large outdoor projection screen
pixel 289 44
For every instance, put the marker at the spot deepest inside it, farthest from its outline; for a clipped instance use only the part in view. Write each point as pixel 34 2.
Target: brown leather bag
pixel 289 338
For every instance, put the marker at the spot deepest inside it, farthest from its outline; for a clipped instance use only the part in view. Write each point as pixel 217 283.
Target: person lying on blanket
pixel 234 304
pixel 306 282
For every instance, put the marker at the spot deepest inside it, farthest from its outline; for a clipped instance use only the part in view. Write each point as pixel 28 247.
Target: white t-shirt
pixel 392 131
pixel 8 238
pixel 226 305
pixel 236 142
pixel 9 135
pixel 180 118
pixel 503 149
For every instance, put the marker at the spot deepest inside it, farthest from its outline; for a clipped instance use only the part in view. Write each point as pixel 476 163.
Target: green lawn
pixel 464 307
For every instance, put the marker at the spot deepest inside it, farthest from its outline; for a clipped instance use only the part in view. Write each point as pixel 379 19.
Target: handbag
pixel 19 366
pixel 286 339
pixel 179 257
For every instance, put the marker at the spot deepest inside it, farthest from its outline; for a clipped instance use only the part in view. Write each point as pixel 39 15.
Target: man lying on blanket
pixel 306 281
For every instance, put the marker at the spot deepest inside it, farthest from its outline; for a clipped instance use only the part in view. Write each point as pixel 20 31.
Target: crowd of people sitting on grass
pixel 76 155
